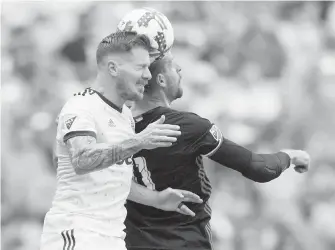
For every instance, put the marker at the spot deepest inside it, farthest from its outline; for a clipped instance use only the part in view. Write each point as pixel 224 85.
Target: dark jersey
pixel 179 166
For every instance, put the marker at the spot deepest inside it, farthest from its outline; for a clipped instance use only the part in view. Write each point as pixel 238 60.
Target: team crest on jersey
pixel 69 122
pixel 216 133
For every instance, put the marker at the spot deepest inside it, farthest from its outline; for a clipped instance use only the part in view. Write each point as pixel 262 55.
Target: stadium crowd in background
pixel 264 62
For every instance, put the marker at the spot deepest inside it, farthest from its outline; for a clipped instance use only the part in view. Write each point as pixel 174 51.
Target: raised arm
pixel 206 139
pixel 257 167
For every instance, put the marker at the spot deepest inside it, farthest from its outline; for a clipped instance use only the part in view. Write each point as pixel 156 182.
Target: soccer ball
pixel 152 23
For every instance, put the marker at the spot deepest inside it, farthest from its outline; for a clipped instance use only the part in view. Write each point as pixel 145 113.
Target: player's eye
pixel 143 66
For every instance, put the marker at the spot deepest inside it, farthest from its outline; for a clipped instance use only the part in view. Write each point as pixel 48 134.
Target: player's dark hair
pixel 121 41
pixel 156 67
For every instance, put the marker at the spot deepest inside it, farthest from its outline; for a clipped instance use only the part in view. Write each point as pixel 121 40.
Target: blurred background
pixel 264 72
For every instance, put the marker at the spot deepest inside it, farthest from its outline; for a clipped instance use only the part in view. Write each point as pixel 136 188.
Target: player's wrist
pixel 289 153
pixel 156 201
pixel 285 160
pixel 138 142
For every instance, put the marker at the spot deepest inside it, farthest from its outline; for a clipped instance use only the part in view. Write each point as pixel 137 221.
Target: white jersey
pixel 93 201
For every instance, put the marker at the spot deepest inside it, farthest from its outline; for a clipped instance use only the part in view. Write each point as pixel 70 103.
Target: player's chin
pixel 138 95
pixel 180 93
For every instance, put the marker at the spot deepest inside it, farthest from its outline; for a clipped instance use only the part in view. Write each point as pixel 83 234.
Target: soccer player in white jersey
pixel 94 145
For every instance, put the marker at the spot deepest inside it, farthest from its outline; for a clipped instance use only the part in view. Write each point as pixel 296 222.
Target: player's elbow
pixel 78 167
pixel 261 179
pixel 79 171
pixel 261 175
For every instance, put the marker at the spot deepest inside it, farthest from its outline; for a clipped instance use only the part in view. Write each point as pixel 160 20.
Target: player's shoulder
pixel 188 121
pixel 81 101
pixel 184 117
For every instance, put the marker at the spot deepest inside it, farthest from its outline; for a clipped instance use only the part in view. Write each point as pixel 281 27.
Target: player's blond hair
pixel 121 41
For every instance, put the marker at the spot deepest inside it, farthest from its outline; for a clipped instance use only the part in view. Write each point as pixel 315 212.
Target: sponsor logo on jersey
pixel 111 123
pixel 138 118
pixel 69 122
pixel 216 133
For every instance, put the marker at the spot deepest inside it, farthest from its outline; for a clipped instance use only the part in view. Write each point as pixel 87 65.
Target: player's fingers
pixel 162 144
pixel 165 139
pixel 190 197
pixel 301 168
pixel 168 132
pixel 185 210
pixel 177 193
pixel 168 126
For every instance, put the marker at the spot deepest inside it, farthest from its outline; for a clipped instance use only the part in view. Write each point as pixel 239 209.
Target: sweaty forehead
pixel 140 56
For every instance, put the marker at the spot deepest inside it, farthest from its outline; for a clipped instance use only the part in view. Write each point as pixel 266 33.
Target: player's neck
pixel 149 103
pixel 100 86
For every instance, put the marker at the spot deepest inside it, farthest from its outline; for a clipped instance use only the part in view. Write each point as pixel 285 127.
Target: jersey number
pixel 145 175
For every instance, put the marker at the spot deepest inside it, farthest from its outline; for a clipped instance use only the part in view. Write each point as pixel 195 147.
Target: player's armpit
pixel 257 167
pixel 87 155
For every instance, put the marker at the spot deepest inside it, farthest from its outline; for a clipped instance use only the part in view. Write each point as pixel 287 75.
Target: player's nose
pixel 146 74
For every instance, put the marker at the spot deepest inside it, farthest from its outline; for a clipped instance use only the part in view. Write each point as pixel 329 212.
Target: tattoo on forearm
pixel 87 155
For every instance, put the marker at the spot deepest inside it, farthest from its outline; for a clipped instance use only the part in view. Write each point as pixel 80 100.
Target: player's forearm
pixel 143 195
pixel 257 167
pixel 266 167
pixel 97 156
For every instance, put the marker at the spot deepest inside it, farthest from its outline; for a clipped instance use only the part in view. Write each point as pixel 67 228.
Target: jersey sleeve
pixel 200 135
pixel 75 120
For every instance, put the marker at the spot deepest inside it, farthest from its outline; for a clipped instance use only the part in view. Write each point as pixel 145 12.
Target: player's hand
pixel 299 158
pixel 157 134
pixel 173 200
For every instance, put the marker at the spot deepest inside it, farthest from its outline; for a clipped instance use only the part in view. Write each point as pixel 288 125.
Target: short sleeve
pixel 199 135
pixel 75 121
pixel 210 141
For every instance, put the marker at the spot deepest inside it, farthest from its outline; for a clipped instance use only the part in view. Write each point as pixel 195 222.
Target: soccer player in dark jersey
pixel 180 166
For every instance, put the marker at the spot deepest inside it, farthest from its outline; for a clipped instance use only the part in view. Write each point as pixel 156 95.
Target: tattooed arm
pixel 87 155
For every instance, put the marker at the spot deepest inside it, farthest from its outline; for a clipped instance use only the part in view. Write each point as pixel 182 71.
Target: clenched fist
pixel 299 158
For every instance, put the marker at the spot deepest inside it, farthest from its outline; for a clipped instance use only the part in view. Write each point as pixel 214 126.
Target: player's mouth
pixel 141 89
pixel 142 82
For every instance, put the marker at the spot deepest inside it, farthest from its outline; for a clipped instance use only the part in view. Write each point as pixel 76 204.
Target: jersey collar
pixel 108 102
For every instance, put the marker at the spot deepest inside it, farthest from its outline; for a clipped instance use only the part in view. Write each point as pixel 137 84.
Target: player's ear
pixel 112 67
pixel 161 80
